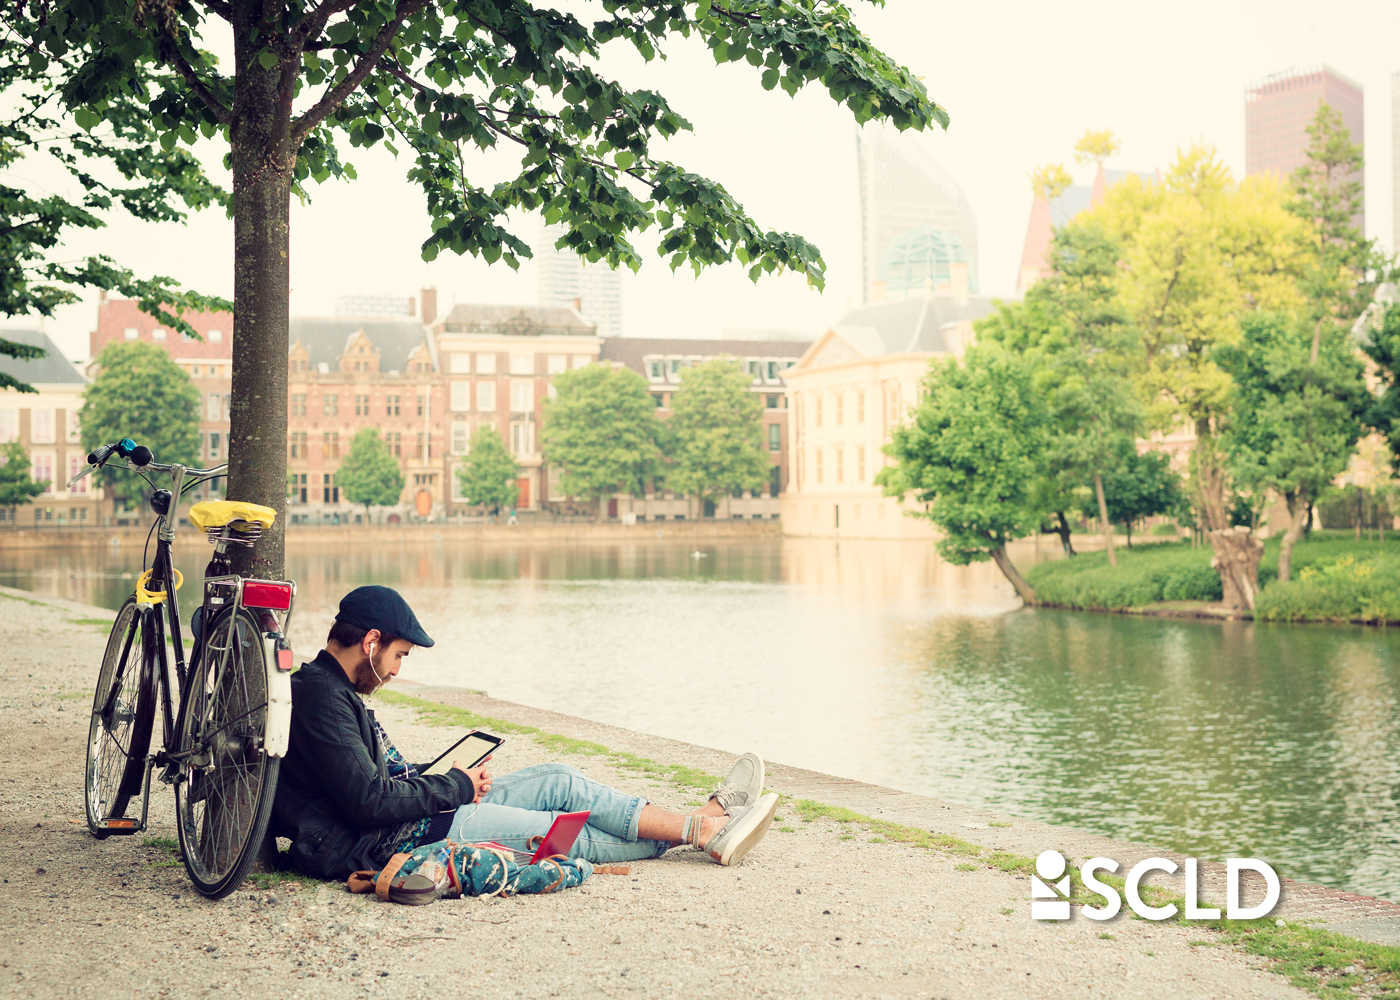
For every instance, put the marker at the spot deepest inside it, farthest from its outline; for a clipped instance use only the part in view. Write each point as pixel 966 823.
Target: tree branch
pixel 223 114
pixel 312 24
pixel 222 8
pixel 337 94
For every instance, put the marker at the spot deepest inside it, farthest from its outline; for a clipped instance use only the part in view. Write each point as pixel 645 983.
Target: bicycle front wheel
pixel 224 799
pixel 123 714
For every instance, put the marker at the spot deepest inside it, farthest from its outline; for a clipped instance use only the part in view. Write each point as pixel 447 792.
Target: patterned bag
pixel 446 869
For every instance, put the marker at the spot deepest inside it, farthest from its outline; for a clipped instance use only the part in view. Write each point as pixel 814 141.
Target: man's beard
pixel 366 680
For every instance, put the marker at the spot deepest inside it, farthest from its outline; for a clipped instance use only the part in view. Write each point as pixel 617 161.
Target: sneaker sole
pixel 759 820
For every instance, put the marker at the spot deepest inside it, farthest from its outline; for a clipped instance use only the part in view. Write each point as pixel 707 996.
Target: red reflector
pixel 262 594
pixel 284 660
pixel 120 824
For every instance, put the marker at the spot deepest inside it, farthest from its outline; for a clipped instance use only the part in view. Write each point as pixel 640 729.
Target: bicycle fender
pixel 279 703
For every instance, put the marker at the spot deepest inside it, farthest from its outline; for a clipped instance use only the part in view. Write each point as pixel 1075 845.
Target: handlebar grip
pixel 99 456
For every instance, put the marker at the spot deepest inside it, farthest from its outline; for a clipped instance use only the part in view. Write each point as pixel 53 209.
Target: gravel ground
pixel 818 909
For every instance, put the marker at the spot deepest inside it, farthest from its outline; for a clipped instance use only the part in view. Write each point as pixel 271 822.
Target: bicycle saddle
pixel 217 513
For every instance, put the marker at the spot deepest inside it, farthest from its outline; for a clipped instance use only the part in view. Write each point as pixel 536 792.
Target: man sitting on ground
pixel 349 801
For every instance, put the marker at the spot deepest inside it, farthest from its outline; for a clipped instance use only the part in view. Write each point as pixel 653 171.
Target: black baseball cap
pixel 382 608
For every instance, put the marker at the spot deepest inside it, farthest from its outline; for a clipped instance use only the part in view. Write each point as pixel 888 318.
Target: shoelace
pixel 724 792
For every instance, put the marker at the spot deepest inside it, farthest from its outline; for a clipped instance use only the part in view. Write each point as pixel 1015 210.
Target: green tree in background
pixel 972 455
pixel 16 487
pixel 601 427
pixel 141 393
pixel 1299 399
pixel 1381 343
pixel 1137 486
pixel 369 474
pixel 487 476
pixel 297 83
pixel 717 432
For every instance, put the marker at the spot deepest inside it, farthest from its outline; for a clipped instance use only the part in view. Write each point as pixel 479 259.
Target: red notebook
pixel 561 836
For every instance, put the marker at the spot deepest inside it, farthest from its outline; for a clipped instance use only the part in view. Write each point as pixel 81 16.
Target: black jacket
pixel 335 800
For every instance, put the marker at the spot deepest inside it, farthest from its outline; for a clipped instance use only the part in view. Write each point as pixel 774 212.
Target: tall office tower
pixel 564 277
pixel 1279 109
pixel 1395 157
pixel 367 304
pixel 915 222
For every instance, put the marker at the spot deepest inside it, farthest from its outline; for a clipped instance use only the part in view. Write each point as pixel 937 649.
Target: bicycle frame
pixel 218 591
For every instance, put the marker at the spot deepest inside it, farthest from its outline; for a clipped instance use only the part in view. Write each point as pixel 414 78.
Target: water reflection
pixel 877 661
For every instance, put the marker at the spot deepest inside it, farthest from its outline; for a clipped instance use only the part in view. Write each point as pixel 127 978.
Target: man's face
pixel 387 662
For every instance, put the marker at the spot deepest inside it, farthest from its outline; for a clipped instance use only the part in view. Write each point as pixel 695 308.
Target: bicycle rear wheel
pixel 123 715
pixel 224 800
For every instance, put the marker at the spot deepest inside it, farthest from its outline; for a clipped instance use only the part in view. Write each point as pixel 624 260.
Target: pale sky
pixel 1021 81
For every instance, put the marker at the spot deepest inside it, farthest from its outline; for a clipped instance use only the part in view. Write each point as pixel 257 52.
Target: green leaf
pixel 341 32
pixel 702 9
pixel 168 140
pixel 87 119
pixel 267 59
pixel 624 159
pixel 770 79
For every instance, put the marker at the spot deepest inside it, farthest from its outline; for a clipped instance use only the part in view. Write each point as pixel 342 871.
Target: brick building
pixel 46 425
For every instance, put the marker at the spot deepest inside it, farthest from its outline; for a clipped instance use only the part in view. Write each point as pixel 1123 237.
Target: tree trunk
pixel 1298 508
pixel 1064 533
pixel 1237 554
pixel 1128 531
pixel 262 168
pixel 1103 520
pixel 1008 569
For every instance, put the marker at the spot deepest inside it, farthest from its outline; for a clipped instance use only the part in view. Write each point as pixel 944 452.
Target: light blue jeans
pixel 524 803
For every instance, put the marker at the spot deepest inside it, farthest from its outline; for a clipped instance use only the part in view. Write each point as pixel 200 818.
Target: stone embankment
pixel 857 891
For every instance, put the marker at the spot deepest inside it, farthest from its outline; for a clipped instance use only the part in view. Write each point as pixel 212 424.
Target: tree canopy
pixel 487 476
pixel 16 487
pixel 971 455
pixel 716 432
pixel 140 393
pixel 601 427
pixel 369 474
pixel 309 81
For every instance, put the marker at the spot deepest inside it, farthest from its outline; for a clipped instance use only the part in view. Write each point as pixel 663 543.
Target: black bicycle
pixel 222 745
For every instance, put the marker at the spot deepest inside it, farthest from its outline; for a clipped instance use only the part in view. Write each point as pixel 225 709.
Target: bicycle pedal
pixel 120 827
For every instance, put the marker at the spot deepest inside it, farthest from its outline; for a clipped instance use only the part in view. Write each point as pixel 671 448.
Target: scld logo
pixel 1050 889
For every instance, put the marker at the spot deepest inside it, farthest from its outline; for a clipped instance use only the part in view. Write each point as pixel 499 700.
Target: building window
pixel 819 411
pixel 461 393
pixel 299 488
pixel 214 444
pixel 71 420
pixel 330 492
pixel 775 480
pixel 391 406
pixel 655 370
pixel 819 465
pixel 522 397
pixel 660 398
pixel 298 404
pixel 459 437
pixel 556 364
pixel 132 333
pixel 755 369
pixel 330 444
pixel 775 437
pixel 9 425
pixel 361 406
pixel 860 463
pixel 422 401
pixel 840 408
pixel 41 426
pixel 581 360
pixel 486 364
pixel 299 445
pixel 522 438
pixel 216 335
pixel 522 364
pixel 486 397
pixel 840 465
pixel 860 406
pixel 395 442
pixel 330 405
pixel 771 402
pixel 76 464
pixel 460 364
pixel 158 333
pixel 772 371
pixel 556 483
pixel 675 373
pixel 42 471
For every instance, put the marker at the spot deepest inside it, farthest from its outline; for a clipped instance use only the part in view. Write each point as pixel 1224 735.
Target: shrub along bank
pixel 1335 578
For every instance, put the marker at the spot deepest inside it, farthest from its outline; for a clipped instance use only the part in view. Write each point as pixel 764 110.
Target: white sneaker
pixel 743 785
pixel 746 827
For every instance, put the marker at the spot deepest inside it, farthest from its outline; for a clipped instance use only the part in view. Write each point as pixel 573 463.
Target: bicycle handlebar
pixel 138 456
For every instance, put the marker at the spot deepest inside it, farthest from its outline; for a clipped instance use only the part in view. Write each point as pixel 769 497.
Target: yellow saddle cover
pixel 217 513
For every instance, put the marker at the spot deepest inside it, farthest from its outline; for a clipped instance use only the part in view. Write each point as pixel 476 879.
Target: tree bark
pixel 1103 520
pixel 1298 508
pixel 263 159
pixel 1008 569
pixel 1063 531
pixel 1237 554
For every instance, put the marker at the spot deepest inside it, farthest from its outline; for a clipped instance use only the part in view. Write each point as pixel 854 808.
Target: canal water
pixel 877 661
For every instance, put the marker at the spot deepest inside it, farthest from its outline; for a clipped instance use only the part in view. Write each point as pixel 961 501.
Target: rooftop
pixel 52 369
pixel 325 337
pixel 519 321
pixel 908 325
